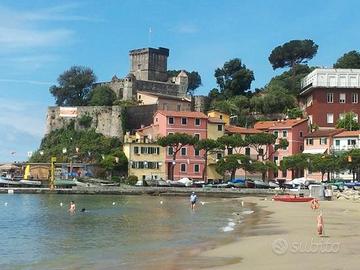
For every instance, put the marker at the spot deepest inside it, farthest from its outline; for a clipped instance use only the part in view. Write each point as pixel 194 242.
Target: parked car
pixel 261 184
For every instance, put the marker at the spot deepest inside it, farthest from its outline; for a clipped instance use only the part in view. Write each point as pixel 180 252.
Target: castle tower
pixel 128 90
pixel 149 64
pixel 182 80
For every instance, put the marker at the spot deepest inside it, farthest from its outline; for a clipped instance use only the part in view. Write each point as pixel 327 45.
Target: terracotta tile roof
pixel 287 123
pixel 216 120
pixel 182 114
pixel 241 130
pixel 323 133
pixel 348 134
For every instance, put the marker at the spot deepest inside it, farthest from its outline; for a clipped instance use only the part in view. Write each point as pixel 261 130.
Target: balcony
pixel 344 148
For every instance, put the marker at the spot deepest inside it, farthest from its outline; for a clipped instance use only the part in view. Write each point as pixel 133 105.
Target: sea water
pixel 114 232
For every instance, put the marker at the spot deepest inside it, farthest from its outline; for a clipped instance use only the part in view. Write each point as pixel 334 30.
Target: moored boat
pixel 291 198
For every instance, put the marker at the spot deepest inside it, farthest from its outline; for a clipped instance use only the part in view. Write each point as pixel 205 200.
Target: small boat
pixel 291 198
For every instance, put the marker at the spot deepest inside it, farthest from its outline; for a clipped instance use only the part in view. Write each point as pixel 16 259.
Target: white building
pixel 346 141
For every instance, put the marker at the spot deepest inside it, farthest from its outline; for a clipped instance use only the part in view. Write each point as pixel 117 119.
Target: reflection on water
pixel 115 232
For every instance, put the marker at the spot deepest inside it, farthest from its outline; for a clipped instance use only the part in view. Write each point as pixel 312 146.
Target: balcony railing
pixel 344 148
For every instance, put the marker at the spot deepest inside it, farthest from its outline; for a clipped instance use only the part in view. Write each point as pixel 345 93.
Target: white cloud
pixel 186 28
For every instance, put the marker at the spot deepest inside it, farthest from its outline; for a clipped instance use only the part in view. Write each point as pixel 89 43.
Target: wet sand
pixel 286 238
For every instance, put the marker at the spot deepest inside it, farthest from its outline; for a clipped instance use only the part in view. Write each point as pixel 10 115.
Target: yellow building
pixel 215 129
pixel 217 114
pixel 146 158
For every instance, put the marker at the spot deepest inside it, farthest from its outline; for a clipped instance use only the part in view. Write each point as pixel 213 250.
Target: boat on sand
pixel 291 198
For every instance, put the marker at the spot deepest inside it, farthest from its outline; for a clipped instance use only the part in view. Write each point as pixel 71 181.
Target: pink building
pixel 189 162
pixel 293 130
pixel 319 142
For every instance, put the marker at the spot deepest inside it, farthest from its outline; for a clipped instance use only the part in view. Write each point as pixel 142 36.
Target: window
pixel 276 160
pixel 342 98
pixel 136 150
pixel 220 127
pixel 183 167
pixel 330 118
pixel 197 136
pixel 309 141
pixel 230 151
pixel 247 151
pixel 301 148
pixel 183 121
pixel 341 116
pixel 337 142
pixel 330 97
pixel 356 117
pixel 351 142
pixel 261 152
pixel 218 155
pixel 170 151
pixel 183 151
pixel 284 133
pixel 171 120
pixel 196 168
pixel 221 116
pixel 197 152
pixel 276 133
pixel 301 134
pixel 197 121
pixel 165 107
pixel 171 133
pixel 178 107
pixel 355 98
pixel 323 141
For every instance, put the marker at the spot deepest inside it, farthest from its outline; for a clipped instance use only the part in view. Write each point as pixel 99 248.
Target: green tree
pixel 325 164
pixel 175 142
pixel 291 54
pixel 351 161
pixel 348 122
pixel 232 143
pixel 294 113
pixel 348 60
pixel 116 161
pixel 81 145
pixel 207 145
pixel 263 143
pixel 230 163
pixel 194 79
pixel 273 100
pixel 234 78
pixel 296 163
pixel 74 86
pixel 263 167
pixel 287 78
pixel 102 96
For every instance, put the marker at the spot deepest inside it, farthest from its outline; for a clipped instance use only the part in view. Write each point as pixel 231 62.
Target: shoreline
pixel 286 238
pixel 154 191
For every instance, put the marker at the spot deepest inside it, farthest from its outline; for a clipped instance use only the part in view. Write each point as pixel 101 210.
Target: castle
pixel 148 73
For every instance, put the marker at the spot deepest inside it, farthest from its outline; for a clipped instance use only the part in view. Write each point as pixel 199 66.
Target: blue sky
pixel 40 39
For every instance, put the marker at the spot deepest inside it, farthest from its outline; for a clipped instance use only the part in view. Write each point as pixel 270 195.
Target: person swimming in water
pixel 72 207
pixel 193 199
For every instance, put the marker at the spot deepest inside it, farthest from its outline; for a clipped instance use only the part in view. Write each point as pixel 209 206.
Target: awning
pixel 314 151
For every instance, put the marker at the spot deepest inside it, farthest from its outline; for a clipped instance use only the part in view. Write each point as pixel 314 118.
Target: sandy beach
pixel 285 237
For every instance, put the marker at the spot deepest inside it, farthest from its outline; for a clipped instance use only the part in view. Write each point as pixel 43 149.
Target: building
pixel 248 151
pixel 189 162
pixel 220 115
pixel 148 73
pixel 146 158
pixel 164 102
pixel 293 130
pixel 343 142
pixel 319 142
pixel 329 93
pixel 215 130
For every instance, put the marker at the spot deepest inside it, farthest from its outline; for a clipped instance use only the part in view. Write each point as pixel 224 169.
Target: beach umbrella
pixel 7 167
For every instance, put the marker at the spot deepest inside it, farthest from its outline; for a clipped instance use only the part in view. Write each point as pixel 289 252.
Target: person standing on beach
pixel 320 224
pixel 193 199
pixel 72 207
